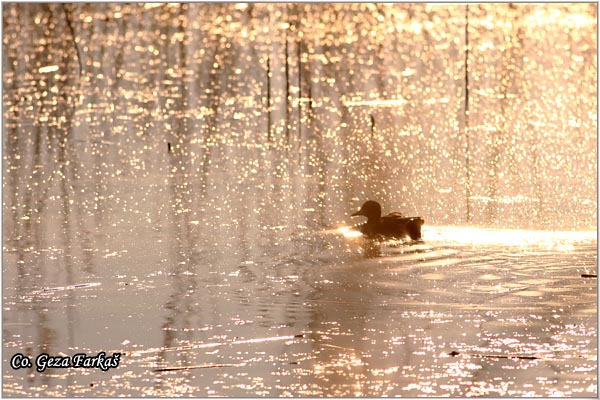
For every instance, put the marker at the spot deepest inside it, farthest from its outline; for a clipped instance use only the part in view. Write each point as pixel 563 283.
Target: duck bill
pixel 356 214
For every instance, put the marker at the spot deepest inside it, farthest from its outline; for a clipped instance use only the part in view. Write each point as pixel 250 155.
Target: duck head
pixel 371 210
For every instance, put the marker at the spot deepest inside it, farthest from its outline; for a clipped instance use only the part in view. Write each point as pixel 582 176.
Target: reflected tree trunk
pixel 466 121
pixel 510 72
pixel 287 82
pixel 299 43
pixel 268 102
pixel 69 18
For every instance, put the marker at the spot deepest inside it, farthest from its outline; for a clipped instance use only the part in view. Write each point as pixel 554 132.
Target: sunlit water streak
pixel 551 240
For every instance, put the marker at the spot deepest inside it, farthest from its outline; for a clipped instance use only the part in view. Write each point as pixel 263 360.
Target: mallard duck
pixel 392 226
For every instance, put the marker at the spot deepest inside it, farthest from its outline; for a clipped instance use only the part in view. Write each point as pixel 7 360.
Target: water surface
pixel 303 313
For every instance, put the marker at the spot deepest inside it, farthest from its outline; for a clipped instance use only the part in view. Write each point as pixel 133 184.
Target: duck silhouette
pixel 391 226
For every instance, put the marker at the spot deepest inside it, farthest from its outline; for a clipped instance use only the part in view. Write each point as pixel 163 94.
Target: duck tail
pixel 414 228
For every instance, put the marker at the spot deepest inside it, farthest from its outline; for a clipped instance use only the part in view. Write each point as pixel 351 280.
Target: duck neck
pixel 373 220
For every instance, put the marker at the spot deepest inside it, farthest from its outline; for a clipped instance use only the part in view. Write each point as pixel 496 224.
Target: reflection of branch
pixel 68 15
pixel 196 346
pixel 501 135
pixel 466 115
pixel 505 356
pixel 213 105
pixel 185 368
pixel 269 138
pixel 287 83
pixel 299 57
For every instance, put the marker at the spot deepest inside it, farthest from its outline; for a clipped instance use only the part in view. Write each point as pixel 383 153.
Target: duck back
pixel 393 226
pixel 396 225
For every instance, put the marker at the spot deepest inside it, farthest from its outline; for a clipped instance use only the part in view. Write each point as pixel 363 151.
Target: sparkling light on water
pixel 387 106
pixel 560 241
